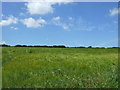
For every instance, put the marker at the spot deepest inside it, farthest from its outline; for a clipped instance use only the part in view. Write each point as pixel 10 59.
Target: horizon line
pixel 23 45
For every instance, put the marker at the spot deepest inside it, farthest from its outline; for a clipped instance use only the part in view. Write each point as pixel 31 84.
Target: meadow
pixel 36 67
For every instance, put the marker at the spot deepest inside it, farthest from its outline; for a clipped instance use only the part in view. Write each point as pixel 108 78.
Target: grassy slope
pixel 59 67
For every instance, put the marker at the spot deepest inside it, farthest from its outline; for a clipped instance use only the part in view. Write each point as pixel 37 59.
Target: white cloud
pixel 56 21
pixel 39 8
pixel 32 23
pixel 14 28
pixel 64 26
pixel 70 18
pixel 44 6
pixel 8 21
pixel 41 21
pixel 2 42
pixel 56 18
pixel 114 11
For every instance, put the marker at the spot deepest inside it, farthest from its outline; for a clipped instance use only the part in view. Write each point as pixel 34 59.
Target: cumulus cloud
pixel 56 18
pixel 44 6
pixel 114 11
pixel 32 23
pixel 39 8
pixel 8 21
pixel 14 28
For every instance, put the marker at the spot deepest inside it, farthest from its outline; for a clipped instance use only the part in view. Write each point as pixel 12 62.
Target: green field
pixel 34 67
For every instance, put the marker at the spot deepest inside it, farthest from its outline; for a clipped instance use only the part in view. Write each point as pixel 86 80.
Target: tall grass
pixel 26 67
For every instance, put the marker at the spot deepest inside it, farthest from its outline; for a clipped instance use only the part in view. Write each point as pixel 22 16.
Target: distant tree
pixel 59 46
pixel 114 47
pixel 97 47
pixel 81 47
pixel 20 45
pixel 4 45
pixel 24 45
pixel 17 45
pixel 102 47
pixel 89 46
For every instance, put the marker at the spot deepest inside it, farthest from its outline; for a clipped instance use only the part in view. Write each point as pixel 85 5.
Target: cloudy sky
pixel 63 23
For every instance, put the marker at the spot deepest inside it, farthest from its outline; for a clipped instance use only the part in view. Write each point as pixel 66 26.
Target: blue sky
pixel 70 24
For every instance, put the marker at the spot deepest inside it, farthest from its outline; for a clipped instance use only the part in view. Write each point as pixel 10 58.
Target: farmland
pixel 34 67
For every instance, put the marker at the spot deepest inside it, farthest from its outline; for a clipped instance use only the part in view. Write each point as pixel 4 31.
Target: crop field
pixel 36 67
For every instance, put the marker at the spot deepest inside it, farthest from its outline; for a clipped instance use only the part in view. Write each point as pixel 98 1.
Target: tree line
pixel 54 46
pixel 57 46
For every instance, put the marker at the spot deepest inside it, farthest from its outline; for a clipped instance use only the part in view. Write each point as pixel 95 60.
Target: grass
pixel 29 67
